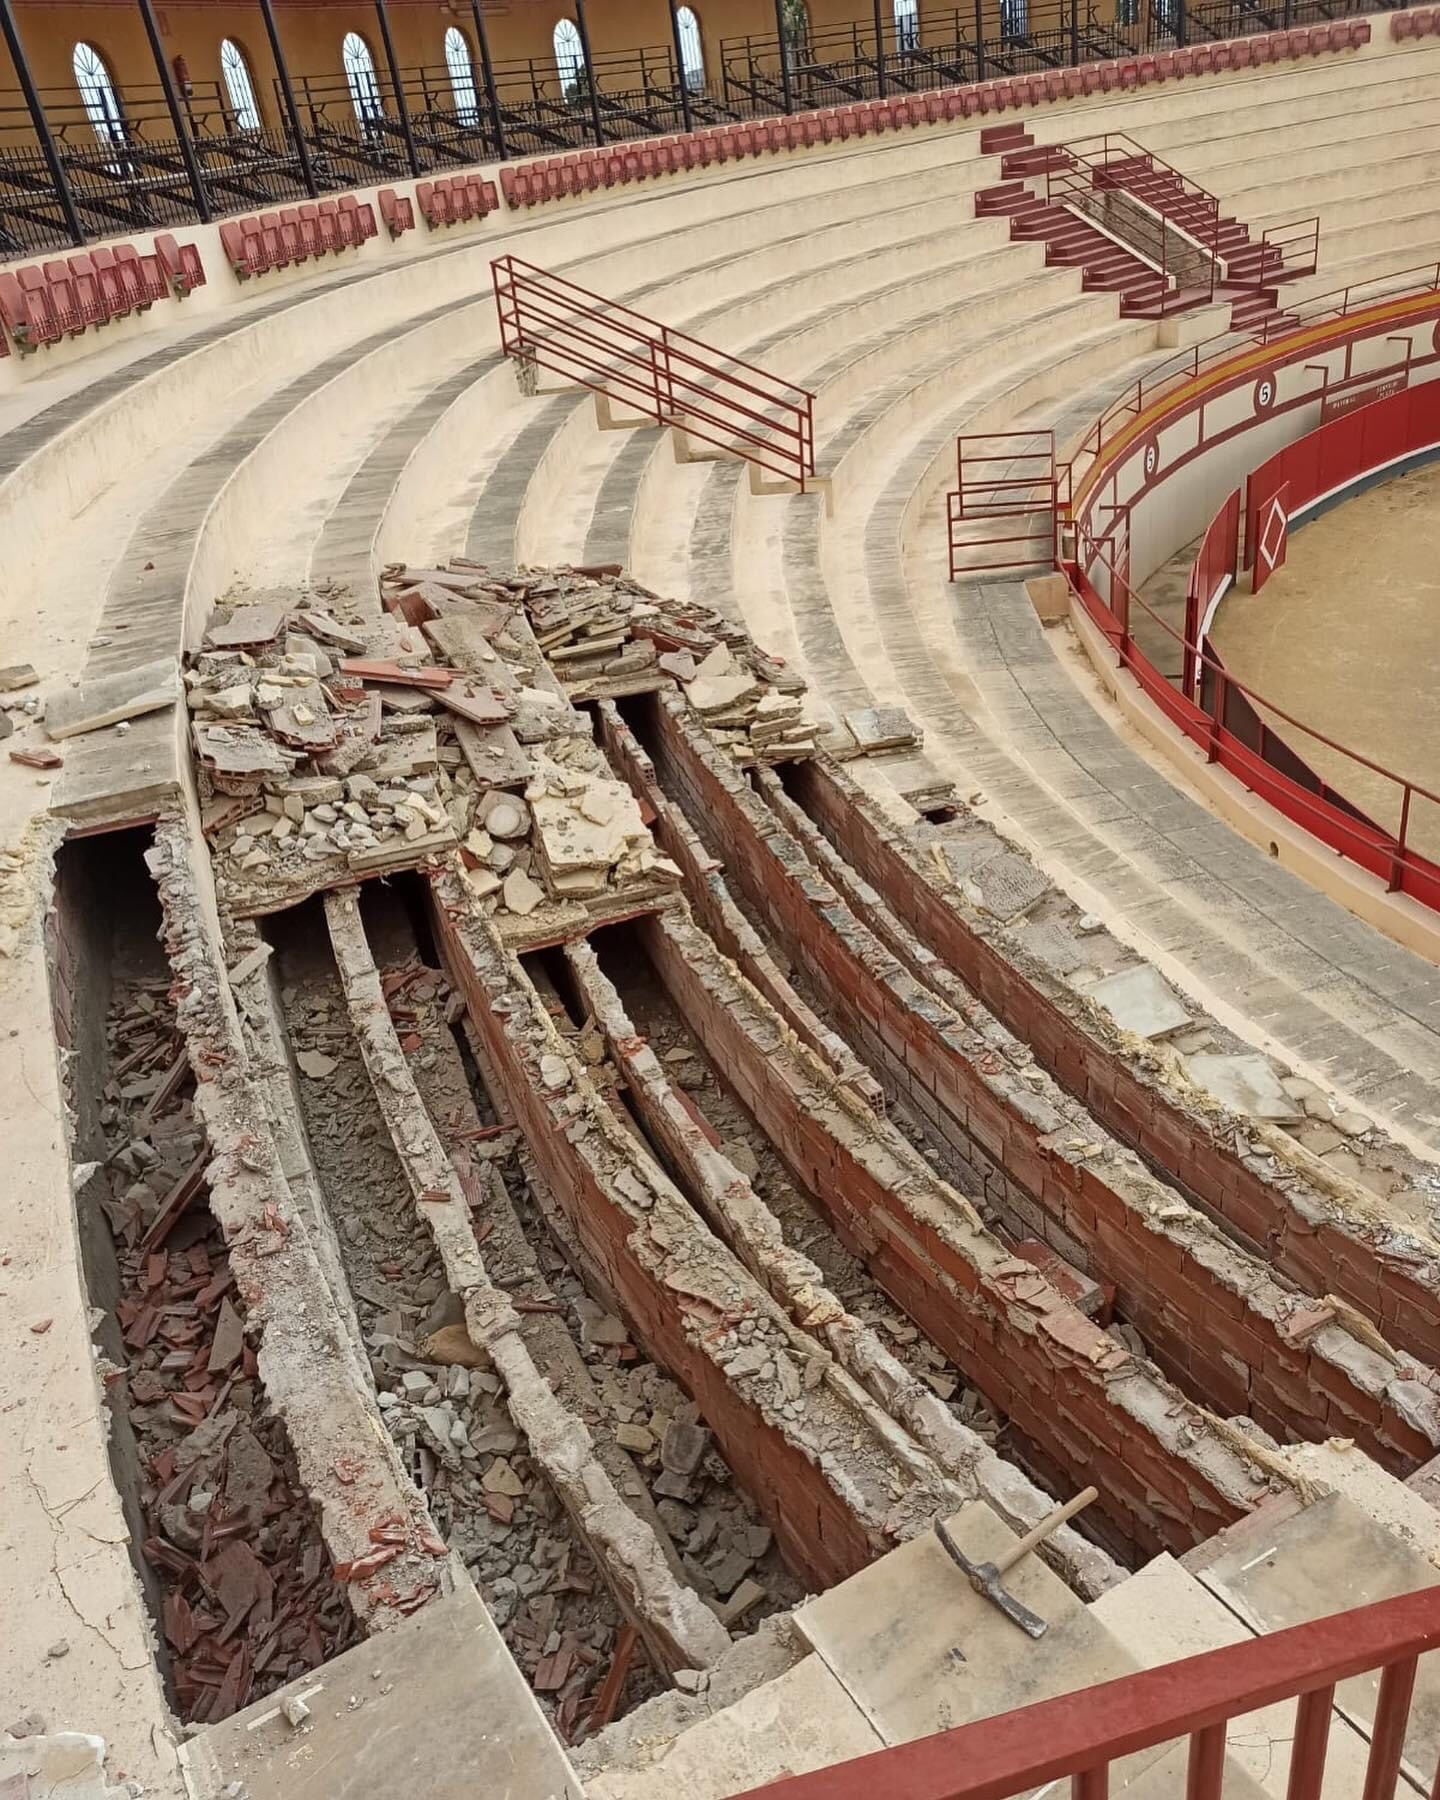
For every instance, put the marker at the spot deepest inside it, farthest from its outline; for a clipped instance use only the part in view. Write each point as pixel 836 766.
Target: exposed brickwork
pixel 1291 1210
pixel 1215 1319
pixel 641 1246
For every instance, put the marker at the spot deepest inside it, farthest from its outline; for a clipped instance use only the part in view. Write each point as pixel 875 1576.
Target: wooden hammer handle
pixel 1038 1533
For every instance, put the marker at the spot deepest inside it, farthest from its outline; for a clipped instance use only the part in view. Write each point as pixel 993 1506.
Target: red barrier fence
pixel 1335 454
pixel 1210 574
pixel 548 321
pixel 1240 729
pixel 1077 1738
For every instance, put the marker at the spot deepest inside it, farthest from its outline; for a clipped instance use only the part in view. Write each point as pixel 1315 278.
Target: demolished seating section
pixel 297 234
pixel 586 171
pixel 44 302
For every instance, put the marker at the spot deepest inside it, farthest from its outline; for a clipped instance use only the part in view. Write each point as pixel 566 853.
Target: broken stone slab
pixel 520 894
pixel 249 627
pixel 1141 1001
pixel 110 699
pixel 876 728
pixel 17 675
pixel 1246 1084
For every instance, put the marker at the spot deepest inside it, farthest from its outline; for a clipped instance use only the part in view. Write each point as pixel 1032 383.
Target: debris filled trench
pixel 515 1143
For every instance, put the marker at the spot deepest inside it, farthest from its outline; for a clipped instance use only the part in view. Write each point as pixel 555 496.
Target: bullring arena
pixel 719 900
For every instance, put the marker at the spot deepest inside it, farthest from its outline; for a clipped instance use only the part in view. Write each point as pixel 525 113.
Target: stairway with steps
pixel 907 1648
pixel 1246 271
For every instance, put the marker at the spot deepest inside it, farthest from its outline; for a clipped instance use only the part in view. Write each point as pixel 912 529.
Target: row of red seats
pixel 296 234
pixel 44 302
pixel 451 199
pixel 1418 22
pixel 586 171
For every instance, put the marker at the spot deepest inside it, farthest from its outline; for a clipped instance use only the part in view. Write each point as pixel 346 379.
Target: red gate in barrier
pixel 1003 512
pixel 552 323
pixel 1210 574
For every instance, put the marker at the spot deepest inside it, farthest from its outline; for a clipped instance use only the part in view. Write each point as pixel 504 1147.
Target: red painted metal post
pixel 1206 1769
pixel 1397 862
pixel 1091 1784
pixel 1312 1741
pixel 1217 718
pixel 1387 1733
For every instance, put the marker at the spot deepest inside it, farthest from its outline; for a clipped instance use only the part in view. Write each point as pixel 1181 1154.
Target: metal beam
pixel 177 119
pixel 42 125
pixel 287 92
pixel 487 69
pixel 382 14
pixel 879 50
pixel 592 82
pixel 685 111
pixel 784 56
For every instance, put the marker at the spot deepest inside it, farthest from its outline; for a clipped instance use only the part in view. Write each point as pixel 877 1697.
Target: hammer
pixel 985 1577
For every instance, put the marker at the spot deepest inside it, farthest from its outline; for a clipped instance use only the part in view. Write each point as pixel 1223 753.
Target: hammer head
pixel 985 1579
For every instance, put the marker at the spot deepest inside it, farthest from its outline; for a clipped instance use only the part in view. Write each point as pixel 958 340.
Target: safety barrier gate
pixel 1003 511
pixel 1076 1739
pixel 549 322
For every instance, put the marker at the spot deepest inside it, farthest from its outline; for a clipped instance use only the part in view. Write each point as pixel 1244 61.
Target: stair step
pixel 1034 160
pixel 1003 137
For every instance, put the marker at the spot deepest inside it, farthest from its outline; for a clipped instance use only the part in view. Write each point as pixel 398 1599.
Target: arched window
pixel 1012 18
pixel 907 25
pixel 462 76
pixel 569 58
pixel 360 75
pixel 692 50
pixel 239 86
pixel 97 94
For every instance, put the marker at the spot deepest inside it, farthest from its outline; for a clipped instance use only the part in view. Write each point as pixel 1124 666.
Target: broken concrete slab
pixel 110 699
pixel 1141 1001
pixel 1247 1084
pixel 876 728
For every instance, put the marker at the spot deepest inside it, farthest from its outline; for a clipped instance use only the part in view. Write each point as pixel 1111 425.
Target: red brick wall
pixel 1041 1377
pixel 819 1536
pixel 1201 1331
pixel 1323 1259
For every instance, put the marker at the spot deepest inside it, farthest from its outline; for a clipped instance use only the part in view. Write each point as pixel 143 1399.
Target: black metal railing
pixel 130 172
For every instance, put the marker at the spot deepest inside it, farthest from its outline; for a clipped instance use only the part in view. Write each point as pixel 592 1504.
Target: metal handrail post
pixel 879 51
pixel 49 149
pixel 172 105
pixel 591 81
pixel 412 156
pixel 487 70
pixel 685 110
pixel 287 94
pixel 979 40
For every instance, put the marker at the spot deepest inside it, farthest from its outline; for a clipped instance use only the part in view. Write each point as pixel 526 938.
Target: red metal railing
pixel 1004 478
pixel 677 380
pixel 1290 250
pixel 1084 171
pixel 1077 1738
pixel 1174 375
pixel 1235 726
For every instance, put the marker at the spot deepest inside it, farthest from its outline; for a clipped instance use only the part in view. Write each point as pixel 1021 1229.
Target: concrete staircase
pixel 1246 271
pixel 906 1649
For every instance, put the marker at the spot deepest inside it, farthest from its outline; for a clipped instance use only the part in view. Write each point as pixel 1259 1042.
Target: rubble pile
pixel 605 636
pixel 249 1596
pixel 446 1413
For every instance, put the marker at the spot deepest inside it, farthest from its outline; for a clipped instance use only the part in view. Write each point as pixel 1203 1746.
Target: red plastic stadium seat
pixel 1359 33
pixel 390 211
pixel 1090 78
pixel 1319 39
pixel 142 275
pixel 14 314
pixel 327 217
pixel 88 296
pixel 1109 77
pixel 183 270
pixel 1240 54
pixel 1201 59
pixel 351 226
pixel 1297 42
pixel 42 320
pixel 64 302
